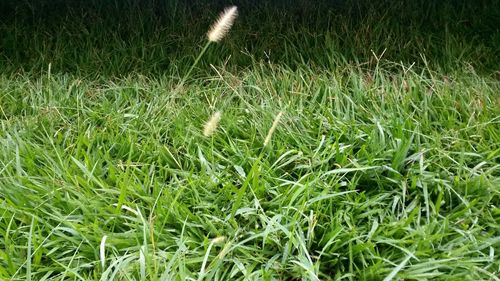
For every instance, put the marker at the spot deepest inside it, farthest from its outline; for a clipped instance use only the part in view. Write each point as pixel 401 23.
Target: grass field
pixel 384 163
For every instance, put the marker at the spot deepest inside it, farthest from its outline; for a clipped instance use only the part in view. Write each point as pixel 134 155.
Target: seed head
pixel 102 251
pixel 221 27
pixel 212 124
pixel 273 128
pixel 219 239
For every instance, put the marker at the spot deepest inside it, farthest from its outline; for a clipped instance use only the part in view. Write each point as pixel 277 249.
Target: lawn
pixel 340 140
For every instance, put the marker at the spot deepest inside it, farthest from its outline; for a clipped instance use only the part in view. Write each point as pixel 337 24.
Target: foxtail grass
pixel 211 124
pixel 219 29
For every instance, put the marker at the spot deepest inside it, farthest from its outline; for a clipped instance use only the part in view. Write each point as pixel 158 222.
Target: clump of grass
pixel 387 176
pixel 382 169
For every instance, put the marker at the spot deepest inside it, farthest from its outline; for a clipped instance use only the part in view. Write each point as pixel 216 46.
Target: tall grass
pixel 384 161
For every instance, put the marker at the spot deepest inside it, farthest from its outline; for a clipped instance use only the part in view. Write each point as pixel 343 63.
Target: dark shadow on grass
pixel 163 37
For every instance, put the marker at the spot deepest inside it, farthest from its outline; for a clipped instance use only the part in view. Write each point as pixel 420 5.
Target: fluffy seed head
pixel 212 124
pixel 273 128
pixel 218 239
pixel 102 251
pixel 221 27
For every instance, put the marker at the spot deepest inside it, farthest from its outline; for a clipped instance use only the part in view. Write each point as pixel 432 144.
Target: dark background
pixel 152 35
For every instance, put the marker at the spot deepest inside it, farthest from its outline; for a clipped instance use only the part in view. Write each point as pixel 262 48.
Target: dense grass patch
pixel 385 164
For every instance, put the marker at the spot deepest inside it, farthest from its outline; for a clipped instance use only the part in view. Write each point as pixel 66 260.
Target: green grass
pixel 384 166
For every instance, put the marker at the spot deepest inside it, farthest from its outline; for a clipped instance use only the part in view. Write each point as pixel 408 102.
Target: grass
pixel 384 165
